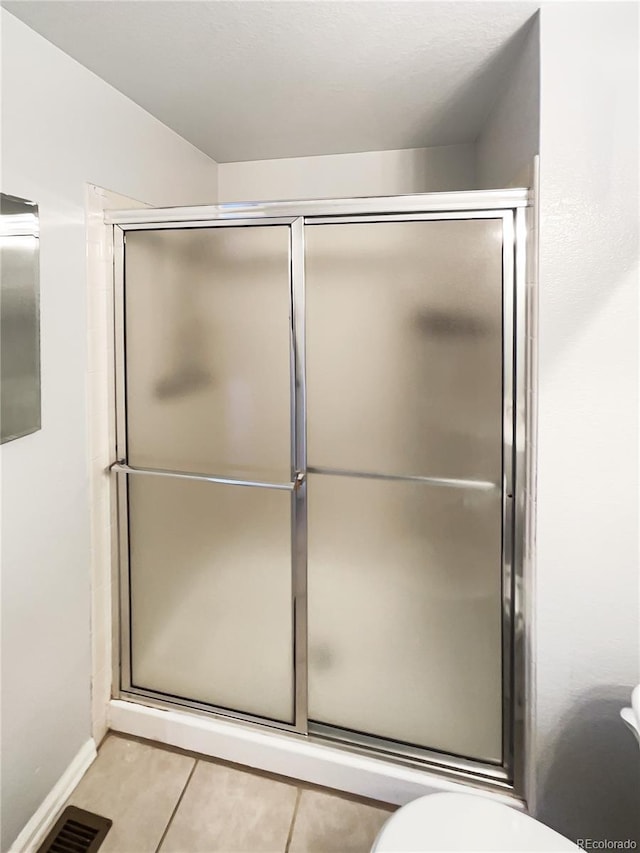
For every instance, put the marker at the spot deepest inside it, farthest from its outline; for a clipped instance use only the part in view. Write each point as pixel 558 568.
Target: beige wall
pixel 62 127
pixel 510 138
pixel 587 764
pixel 371 173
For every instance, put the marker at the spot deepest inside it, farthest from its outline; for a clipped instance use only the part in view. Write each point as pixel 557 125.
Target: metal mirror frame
pixel 20 396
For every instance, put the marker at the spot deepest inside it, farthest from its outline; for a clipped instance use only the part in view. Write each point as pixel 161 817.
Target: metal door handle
pixel 123 468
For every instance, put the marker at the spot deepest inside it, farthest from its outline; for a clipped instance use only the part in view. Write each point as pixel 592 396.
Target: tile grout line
pixel 293 819
pixel 177 806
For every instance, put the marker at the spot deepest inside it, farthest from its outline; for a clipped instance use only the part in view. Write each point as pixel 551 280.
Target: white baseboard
pixel 36 829
pixel 286 756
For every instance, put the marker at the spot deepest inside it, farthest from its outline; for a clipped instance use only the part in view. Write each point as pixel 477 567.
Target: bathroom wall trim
pixel 281 754
pixel 101 440
pixel 36 829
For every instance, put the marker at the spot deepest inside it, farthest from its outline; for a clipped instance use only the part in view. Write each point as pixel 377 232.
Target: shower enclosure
pixel 320 441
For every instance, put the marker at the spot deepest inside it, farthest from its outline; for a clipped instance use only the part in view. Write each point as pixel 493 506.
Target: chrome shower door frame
pixel 123 666
pixel 509 206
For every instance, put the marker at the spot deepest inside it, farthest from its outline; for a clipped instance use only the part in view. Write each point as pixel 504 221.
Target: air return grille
pixel 76 831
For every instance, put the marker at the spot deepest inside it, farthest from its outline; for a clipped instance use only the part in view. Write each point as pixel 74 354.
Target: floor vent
pixel 76 831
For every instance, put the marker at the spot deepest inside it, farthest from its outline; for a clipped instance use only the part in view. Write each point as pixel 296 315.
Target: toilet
pixel 474 823
pixel 465 822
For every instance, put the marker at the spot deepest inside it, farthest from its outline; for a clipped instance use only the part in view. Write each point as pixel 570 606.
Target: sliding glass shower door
pixel 207 318
pixel 404 391
pixel 316 457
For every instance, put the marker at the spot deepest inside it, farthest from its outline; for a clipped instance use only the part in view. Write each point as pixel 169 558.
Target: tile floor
pixel 165 800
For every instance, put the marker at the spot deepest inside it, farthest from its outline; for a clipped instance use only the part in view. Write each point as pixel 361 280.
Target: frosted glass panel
pixel 211 593
pixel 405 612
pixel 207 322
pixel 404 347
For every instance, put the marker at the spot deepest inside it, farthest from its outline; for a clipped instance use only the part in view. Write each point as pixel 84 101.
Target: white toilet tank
pixel 465 822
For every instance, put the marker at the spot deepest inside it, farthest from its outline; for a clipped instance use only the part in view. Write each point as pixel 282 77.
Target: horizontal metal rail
pixel 123 468
pixel 434 216
pixel 447 482
pixel 180 225
pixel 479 770
pixel 417 203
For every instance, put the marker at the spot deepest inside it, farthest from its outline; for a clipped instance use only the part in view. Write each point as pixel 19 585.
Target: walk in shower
pixel 320 441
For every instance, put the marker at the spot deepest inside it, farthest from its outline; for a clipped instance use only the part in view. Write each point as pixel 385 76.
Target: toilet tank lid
pixel 465 822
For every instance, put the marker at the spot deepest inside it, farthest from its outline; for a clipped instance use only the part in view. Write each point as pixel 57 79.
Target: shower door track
pixel 508 205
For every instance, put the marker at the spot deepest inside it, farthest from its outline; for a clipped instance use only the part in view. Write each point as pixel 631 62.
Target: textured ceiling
pixel 256 79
